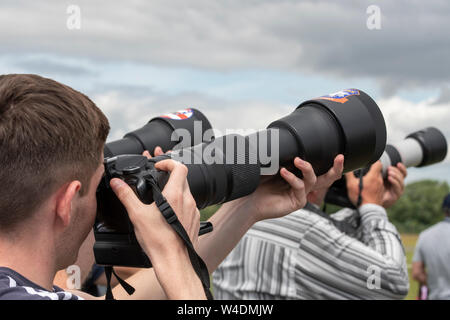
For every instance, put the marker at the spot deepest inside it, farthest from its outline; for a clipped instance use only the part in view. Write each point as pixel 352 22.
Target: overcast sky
pixel 243 63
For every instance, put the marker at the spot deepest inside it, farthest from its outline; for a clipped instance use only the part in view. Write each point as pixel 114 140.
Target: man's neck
pixel 31 256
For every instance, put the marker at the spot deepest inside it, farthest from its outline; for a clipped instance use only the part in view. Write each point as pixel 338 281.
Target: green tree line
pixel 420 206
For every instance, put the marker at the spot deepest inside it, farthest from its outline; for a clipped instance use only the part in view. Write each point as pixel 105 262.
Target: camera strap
pixel 166 210
pixel 109 271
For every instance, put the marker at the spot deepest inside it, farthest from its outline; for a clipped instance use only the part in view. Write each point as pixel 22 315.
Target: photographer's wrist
pixel 167 243
pixel 371 201
pixel 176 275
pixel 155 236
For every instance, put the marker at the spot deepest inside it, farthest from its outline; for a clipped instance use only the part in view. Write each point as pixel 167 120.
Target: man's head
pixel 51 149
pixel 446 205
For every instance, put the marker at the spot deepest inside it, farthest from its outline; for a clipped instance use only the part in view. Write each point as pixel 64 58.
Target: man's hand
pixel 419 273
pixel 157 152
pixel 277 197
pixel 160 242
pixel 394 184
pixel 152 230
pixel 376 190
pixel 373 187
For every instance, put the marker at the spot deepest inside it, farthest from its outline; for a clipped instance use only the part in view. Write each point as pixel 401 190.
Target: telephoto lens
pixel 419 149
pixel 179 129
pixel 347 122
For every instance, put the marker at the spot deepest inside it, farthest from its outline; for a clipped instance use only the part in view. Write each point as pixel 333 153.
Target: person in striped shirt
pixel 307 255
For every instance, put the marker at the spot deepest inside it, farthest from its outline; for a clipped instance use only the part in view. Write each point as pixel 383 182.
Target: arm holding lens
pixel 275 197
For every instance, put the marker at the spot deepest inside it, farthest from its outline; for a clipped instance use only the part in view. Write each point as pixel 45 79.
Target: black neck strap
pixel 108 273
pixel 166 210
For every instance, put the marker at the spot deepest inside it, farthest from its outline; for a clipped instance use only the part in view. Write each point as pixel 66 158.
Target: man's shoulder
pixel 14 286
pixel 286 231
pixel 435 229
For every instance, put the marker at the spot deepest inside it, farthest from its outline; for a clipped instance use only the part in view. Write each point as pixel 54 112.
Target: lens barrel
pixel 159 131
pixel 419 149
pixel 347 122
pixel 221 170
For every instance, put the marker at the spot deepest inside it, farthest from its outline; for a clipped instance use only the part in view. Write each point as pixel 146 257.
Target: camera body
pixel 116 242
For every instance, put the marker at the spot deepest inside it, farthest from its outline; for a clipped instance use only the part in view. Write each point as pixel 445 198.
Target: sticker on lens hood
pixel 179 115
pixel 340 96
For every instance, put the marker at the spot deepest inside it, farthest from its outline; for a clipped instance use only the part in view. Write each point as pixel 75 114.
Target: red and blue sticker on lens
pixel 179 115
pixel 340 96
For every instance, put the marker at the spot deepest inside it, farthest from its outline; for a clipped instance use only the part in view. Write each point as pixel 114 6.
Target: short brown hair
pixel 50 134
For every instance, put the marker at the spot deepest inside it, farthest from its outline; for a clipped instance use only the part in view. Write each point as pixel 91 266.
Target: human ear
pixel 68 195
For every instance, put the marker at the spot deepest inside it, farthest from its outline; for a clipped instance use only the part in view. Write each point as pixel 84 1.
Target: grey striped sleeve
pixel 304 256
pixel 338 266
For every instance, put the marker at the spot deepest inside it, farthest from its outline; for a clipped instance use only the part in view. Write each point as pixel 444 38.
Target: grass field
pixel 409 242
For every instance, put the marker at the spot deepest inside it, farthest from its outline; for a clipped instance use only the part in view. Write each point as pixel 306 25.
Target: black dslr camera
pixel 116 242
pixel 113 229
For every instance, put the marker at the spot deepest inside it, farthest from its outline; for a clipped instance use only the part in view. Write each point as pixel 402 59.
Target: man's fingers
pixel 147 154
pixel 126 195
pixel 351 179
pixel 291 179
pixel 309 177
pixel 402 169
pixel 297 185
pixel 375 169
pixel 335 173
pixel 396 186
pixel 178 172
pixel 396 179
pixel 158 151
pixel 338 166
pixel 395 173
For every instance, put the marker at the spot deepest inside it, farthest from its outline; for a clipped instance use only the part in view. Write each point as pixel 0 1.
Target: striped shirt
pixel 304 256
pixel 14 286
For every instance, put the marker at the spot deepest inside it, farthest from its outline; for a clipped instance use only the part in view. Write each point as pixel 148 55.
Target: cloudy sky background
pixel 243 63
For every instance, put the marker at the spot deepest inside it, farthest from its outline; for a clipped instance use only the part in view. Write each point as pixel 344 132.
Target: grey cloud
pixel 51 66
pixel 444 96
pixel 127 111
pixel 322 37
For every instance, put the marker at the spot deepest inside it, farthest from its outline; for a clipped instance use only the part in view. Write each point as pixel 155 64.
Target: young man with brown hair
pixel 51 154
